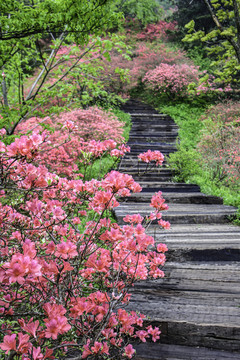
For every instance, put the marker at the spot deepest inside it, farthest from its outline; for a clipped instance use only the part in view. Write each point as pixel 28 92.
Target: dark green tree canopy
pixel 191 9
pixel 22 18
pixel 223 41
pixel 32 32
pixel 145 11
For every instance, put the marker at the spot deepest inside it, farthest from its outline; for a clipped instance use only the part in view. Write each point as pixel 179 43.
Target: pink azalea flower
pixel 165 224
pixel 30 327
pixel 9 343
pixel 162 248
pixel 154 332
pixel 129 351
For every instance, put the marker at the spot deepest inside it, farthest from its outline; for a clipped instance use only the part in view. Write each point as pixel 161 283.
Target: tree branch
pixel 237 20
pixel 230 39
pixel 4 90
pixel 43 70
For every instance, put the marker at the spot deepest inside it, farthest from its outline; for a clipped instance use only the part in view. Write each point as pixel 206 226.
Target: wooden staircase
pixel 197 304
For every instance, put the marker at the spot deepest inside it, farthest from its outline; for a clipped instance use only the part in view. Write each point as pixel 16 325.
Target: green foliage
pixel 20 19
pixel 198 56
pixel 70 75
pixel 144 11
pixel 189 163
pixel 185 163
pixel 219 144
pixel 98 168
pixel 33 35
pixel 223 40
pixel 208 186
pixel 126 119
pixel 186 116
pixel 189 10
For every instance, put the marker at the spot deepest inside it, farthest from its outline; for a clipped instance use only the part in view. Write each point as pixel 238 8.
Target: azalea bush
pixel 199 127
pixel 219 144
pixel 66 268
pixel 72 152
pixel 160 30
pixel 64 75
pixel 184 81
pixel 206 88
pixel 123 74
pixel 172 80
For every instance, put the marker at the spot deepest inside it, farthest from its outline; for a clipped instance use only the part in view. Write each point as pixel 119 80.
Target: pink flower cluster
pixel 158 203
pixel 88 132
pixel 171 79
pixel 157 31
pixel 208 86
pixel 149 156
pixel 144 57
pixel 219 143
pixel 66 268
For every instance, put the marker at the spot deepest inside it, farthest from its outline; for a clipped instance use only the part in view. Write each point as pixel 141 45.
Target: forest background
pixel 66 68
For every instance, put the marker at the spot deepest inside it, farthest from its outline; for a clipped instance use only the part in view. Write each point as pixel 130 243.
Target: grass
pixel 187 159
pixel 186 116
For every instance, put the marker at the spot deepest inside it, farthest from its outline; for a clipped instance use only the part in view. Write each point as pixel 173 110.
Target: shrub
pixel 160 30
pixel 144 56
pixel 172 80
pixel 219 144
pixel 185 163
pixel 66 269
pixel 91 127
pixel 191 163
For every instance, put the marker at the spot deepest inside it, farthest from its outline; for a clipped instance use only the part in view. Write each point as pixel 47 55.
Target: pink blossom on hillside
pixel 157 31
pixel 92 131
pixel 154 332
pixel 9 343
pixel 171 79
pixel 158 202
pixel 129 351
pixel 144 57
pixel 219 143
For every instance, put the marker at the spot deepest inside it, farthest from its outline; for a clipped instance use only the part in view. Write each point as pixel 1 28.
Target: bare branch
pixel 44 69
pixel 237 20
pixel 4 90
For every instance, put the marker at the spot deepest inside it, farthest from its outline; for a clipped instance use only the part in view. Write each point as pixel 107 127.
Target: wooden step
pixel 159 351
pixel 180 213
pixel 145 112
pixel 194 305
pixel 176 197
pixel 153 115
pixel 158 127
pixel 145 146
pixel 155 121
pixel 171 186
pixel 136 151
pixel 152 140
pixel 135 163
pixel 199 242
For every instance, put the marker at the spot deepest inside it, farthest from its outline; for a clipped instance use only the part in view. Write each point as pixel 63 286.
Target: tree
pixel 20 18
pixel 188 10
pixel 224 40
pixel 39 34
pixel 145 11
